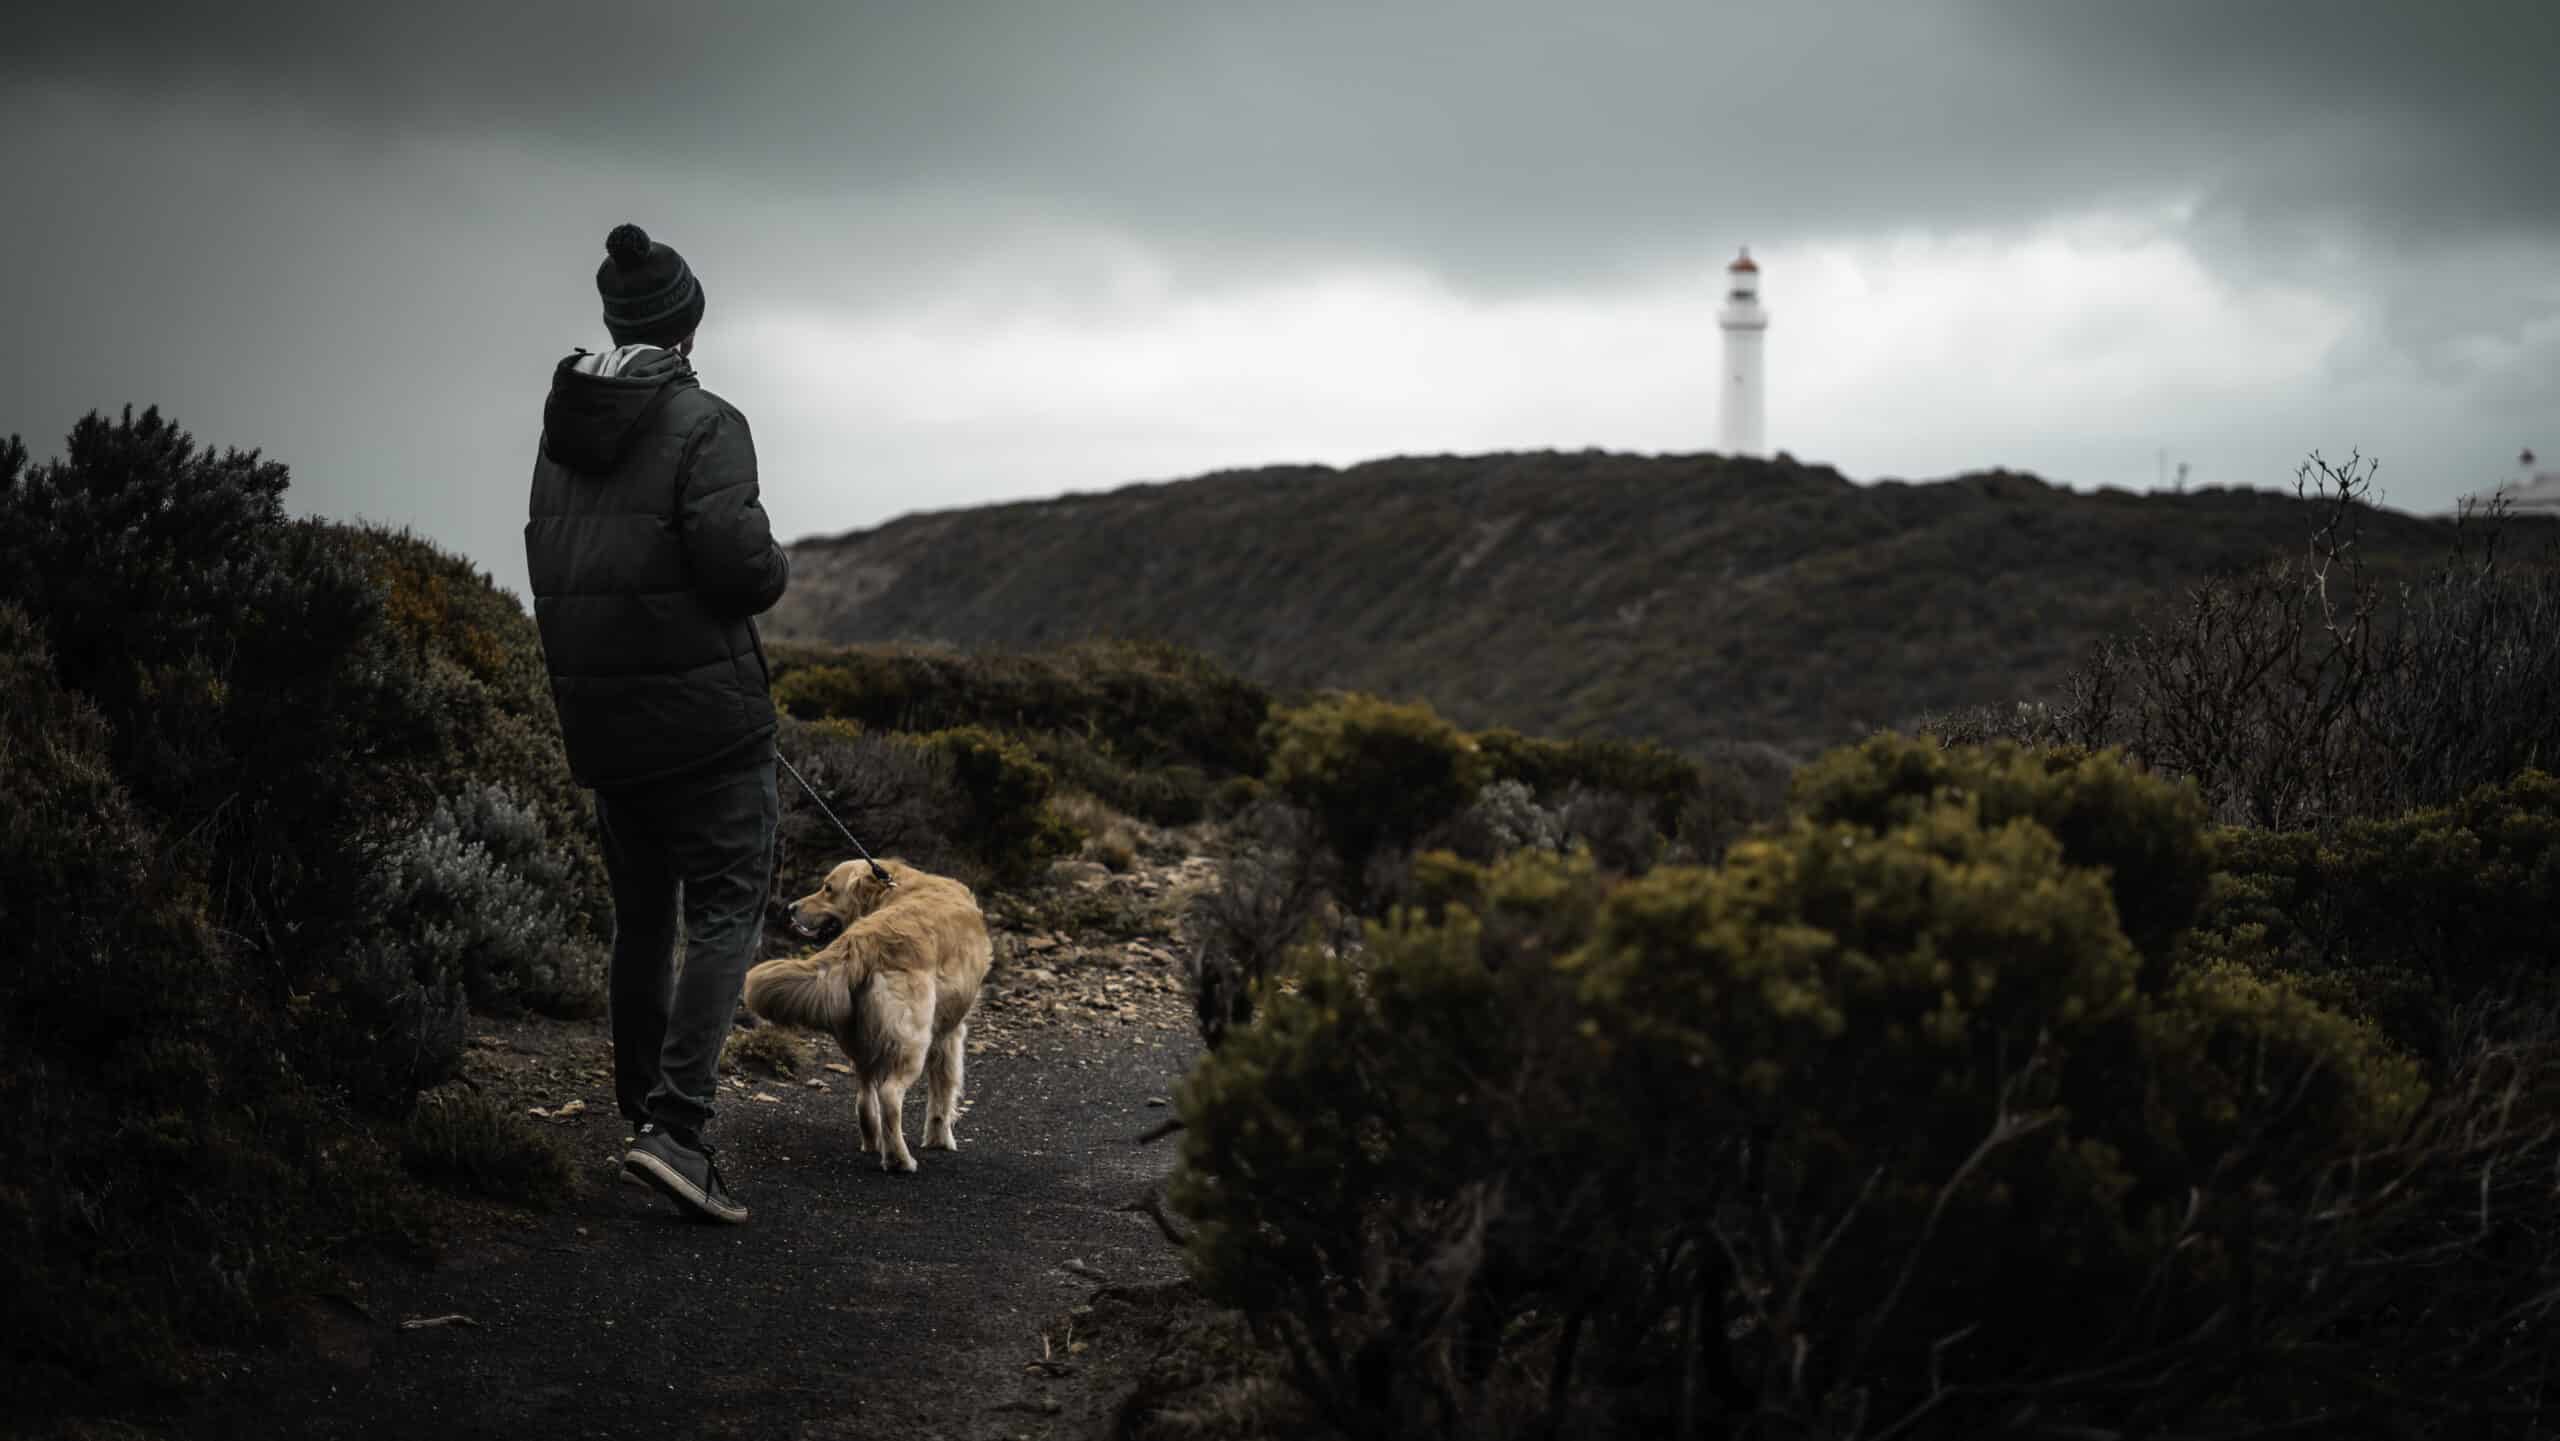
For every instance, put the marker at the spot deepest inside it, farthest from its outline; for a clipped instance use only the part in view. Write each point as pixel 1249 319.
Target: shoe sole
pixel 670 1183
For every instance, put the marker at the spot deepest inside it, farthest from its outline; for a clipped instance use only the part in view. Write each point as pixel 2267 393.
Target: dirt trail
pixel 854 1303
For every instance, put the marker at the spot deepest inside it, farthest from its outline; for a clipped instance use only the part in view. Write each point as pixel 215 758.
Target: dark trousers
pixel 707 839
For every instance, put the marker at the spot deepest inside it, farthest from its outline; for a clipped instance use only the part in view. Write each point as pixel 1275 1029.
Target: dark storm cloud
pixel 1504 141
pixel 357 235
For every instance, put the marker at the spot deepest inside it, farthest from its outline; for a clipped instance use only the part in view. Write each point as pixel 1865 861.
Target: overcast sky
pixel 959 252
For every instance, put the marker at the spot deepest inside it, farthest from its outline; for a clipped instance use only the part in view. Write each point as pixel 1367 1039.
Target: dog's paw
pixel 942 1141
pixel 898 1165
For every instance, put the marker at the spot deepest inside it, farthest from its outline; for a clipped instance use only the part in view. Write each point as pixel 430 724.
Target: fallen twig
pixel 421 1323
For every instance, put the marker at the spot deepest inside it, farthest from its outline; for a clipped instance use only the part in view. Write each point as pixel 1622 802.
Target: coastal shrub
pixel 1168 794
pixel 2413 920
pixel 470 1141
pixel 1375 774
pixel 1745 1145
pixel 2144 831
pixel 1550 767
pixel 2308 690
pixel 1235 796
pixel 1108 835
pixel 1156 704
pixel 474 896
pixel 1504 817
pixel 169 1175
pixel 482 717
pixel 866 696
pixel 1008 822
pixel 302 690
pixel 1615 826
pixel 766 1050
pixel 900 799
pixel 264 654
pixel 1272 883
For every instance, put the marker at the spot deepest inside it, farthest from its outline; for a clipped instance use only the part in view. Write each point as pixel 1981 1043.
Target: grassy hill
pixel 1677 598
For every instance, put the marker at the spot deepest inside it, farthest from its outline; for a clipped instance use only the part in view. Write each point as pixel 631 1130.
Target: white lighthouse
pixel 1744 323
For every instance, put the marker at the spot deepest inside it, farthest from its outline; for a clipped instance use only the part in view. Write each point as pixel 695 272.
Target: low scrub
pixel 477 896
pixel 2412 921
pixel 265 843
pixel 899 799
pixel 1375 774
pixel 1271 891
pixel 169 1171
pixel 966 802
pixel 1851 1135
pixel 766 1050
pixel 2308 690
pixel 1007 819
pixel 2143 832
pixel 471 1141
pixel 1159 705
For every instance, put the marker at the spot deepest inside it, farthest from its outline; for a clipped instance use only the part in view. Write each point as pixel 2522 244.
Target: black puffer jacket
pixel 649 552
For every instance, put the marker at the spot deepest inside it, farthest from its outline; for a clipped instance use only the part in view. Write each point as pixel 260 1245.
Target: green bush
pixel 305 696
pixel 128 954
pixel 483 723
pixel 2221 1035
pixel 475 896
pixel 205 804
pixel 1159 705
pixel 2411 920
pixel 265 656
pixel 1008 823
pixel 472 1142
pixel 899 798
pixel 168 1173
pixel 1504 817
pixel 2144 832
pixel 1170 794
pixel 1377 775
pixel 1550 768
pixel 770 1050
pixel 865 696
pixel 1753 1141
pixel 1235 796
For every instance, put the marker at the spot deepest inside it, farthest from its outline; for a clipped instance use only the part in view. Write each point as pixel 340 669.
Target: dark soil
pixel 853 1303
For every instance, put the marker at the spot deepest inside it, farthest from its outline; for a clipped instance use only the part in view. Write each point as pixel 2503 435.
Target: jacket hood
pixel 589 419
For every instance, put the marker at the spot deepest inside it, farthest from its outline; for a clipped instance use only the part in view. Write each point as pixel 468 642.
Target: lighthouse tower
pixel 1744 323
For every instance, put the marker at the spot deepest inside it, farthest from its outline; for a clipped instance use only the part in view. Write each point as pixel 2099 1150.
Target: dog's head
pixel 852 890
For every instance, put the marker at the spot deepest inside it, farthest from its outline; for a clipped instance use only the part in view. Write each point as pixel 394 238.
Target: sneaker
pixel 683 1174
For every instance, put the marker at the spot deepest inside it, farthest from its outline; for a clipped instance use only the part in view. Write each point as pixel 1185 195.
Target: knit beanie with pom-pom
pixel 650 295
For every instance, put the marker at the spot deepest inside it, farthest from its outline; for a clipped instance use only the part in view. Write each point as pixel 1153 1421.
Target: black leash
pixel 876 870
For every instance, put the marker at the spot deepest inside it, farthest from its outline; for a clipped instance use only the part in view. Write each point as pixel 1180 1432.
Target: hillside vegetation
pixel 1679 599
pixel 2179 1057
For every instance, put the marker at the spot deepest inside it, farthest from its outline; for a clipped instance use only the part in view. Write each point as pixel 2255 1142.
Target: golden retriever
pixel 894 988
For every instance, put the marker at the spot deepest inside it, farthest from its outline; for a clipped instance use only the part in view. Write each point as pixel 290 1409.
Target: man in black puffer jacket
pixel 650 556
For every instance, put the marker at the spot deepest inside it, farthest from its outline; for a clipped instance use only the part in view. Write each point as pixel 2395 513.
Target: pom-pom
pixel 628 245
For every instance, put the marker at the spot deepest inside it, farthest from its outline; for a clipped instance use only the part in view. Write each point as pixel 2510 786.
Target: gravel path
pixel 854 1303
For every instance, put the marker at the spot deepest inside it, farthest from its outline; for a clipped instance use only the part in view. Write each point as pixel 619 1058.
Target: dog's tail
pixel 812 991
